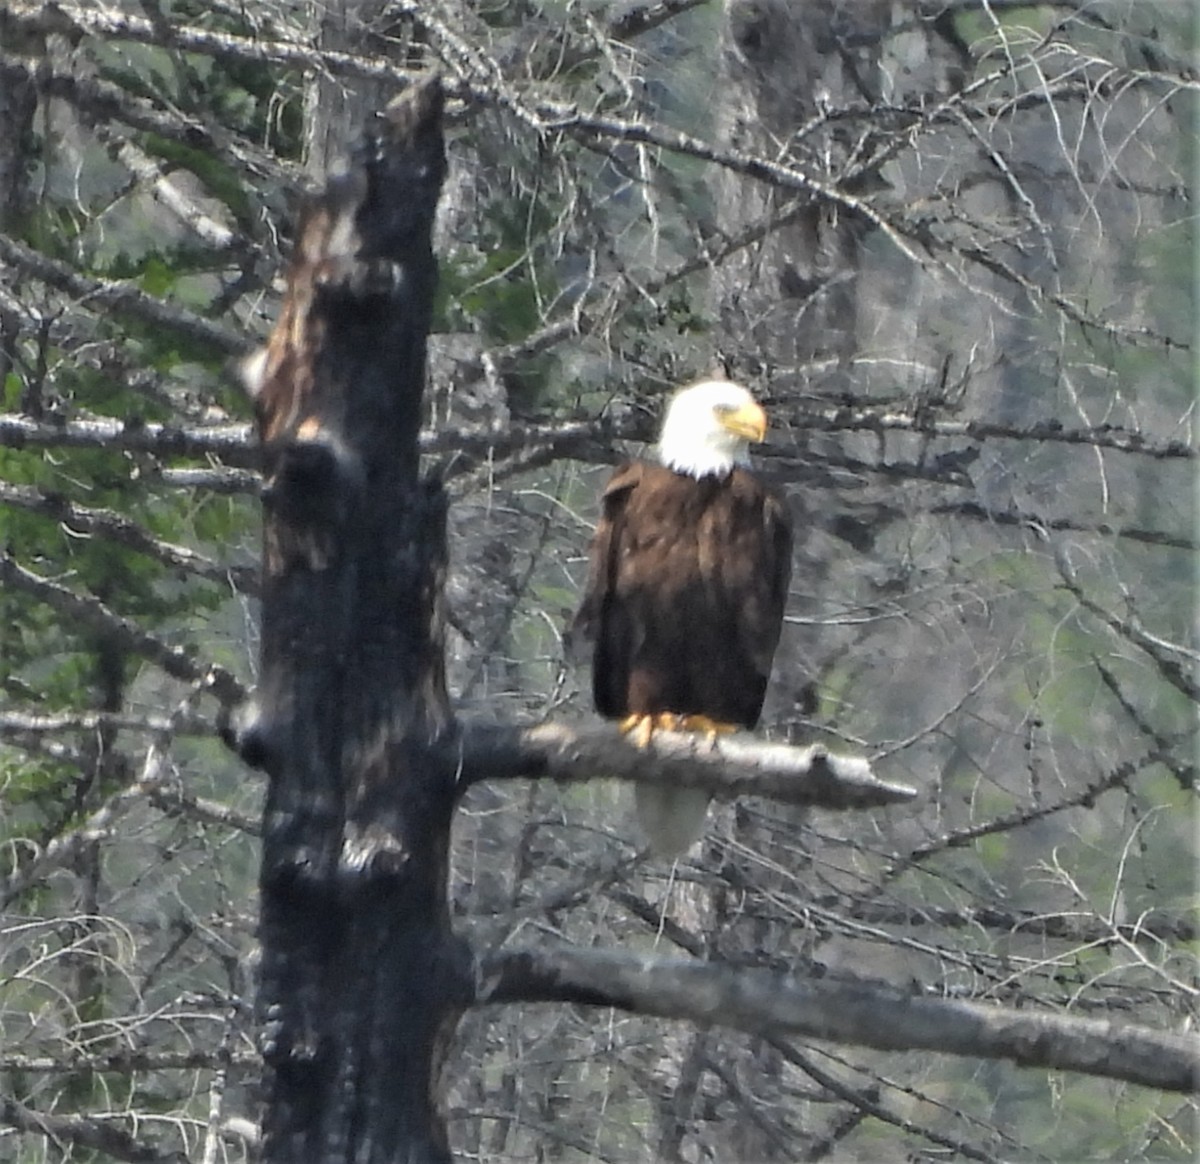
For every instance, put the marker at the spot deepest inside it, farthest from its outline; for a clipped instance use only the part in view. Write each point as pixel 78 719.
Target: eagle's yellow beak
pixel 749 421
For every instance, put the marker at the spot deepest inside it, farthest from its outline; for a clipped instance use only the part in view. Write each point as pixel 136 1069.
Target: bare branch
pixel 110 24
pixel 870 1014
pixel 115 295
pixel 218 480
pixel 1077 928
pixel 972 510
pixel 867 1103
pixel 26 723
pixel 1117 777
pixel 128 1062
pixel 737 765
pixel 129 636
pixel 1107 436
pixel 230 442
pixel 114 527
pixel 77 1131
pixel 102 100
pixel 156 179
pixel 1164 655
pixel 171 800
pixel 647 17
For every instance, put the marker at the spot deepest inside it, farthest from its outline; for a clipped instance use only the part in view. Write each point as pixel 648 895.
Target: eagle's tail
pixel 672 819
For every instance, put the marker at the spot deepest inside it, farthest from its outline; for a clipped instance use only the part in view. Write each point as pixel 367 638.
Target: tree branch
pixel 119 296
pixel 1165 655
pixel 871 1014
pixel 101 100
pixel 128 636
pixel 737 765
pixel 129 1062
pixel 114 527
pixel 100 1136
pixel 973 511
pixel 230 442
pixel 1116 777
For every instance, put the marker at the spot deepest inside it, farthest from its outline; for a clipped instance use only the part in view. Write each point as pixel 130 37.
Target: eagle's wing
pixel 585 628
pixel 763 615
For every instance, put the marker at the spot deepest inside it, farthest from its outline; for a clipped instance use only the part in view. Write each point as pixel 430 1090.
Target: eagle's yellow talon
pixel 710 728
pixel 640 729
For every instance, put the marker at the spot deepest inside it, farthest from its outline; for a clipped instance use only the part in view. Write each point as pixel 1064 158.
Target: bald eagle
pixel 687 583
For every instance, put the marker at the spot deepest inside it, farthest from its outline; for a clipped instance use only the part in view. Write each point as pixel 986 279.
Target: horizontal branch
pixel 1155 926
pixel 529 445
pixel 737 765
pixel 1105 436
pixel 33 723
pixel 121 295
pixel 230 442
pixel 1023 519
pixel 129 1062
pixel 875 1015
pixel 215 480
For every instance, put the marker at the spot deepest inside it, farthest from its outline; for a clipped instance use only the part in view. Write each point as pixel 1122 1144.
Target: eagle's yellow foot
pixel 702 724
pixel 641 728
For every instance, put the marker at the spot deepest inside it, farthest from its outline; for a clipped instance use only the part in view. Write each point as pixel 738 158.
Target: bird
pixel 688 574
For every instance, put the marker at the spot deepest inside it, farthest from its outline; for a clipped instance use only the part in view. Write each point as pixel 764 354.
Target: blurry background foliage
pixel 950 244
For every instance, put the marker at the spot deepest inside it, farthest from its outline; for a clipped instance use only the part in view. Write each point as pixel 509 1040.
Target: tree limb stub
pixel 737 765
pixel 869 1014
pixel 362 980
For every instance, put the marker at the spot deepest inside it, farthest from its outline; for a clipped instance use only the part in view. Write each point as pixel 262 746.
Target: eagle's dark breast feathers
pixel 686 592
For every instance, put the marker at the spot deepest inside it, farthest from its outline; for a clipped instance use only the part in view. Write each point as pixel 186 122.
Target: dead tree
pixel 362 977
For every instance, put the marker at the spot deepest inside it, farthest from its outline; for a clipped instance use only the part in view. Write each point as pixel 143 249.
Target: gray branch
pixel 106 523
pixel 738 765
pixel 869 1014
pixel 85 610
pixel 79 1131
pixel 120 296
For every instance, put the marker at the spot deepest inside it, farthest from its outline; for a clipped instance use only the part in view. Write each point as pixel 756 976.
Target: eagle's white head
pixel 709 428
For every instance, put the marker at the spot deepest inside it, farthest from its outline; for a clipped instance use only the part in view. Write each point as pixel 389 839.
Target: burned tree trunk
pixel 362 980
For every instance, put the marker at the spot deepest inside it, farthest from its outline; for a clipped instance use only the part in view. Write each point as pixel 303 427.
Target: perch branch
pixel 870 1014
pixel 738 765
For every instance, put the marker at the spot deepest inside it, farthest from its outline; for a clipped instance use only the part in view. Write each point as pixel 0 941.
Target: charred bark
pixel 362 980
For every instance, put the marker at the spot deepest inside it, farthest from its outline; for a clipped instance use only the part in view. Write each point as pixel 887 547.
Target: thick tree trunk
pixel 362 979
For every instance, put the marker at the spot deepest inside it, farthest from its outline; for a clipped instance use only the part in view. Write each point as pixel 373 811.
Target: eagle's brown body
pixel 685 596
